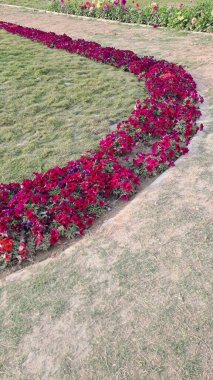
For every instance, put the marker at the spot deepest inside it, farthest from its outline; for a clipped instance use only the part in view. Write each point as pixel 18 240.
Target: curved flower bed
pixel 64 201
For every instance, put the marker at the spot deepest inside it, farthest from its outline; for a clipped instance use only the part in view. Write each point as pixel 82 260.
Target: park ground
pixel 133 298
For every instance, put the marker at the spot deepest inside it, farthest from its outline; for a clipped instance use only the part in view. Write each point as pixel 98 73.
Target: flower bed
pixel 64 201
pixel 197 17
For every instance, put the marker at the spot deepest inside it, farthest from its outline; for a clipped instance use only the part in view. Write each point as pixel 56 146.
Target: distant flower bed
pixel 64 201
pixel 197 17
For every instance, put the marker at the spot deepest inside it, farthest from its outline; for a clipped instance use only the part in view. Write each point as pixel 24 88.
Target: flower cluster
pixel 198 16
pixel 64 201
pixel 6 246
pixel 87 4
pixel 103 5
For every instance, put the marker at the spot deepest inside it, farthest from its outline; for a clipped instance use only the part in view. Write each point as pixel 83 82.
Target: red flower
pixel 124 197
pixel 29 213
pixel 184 150
pixel 149 168
pixel 171 153
pixel 126 186
pixel 6 244
pixel 54 236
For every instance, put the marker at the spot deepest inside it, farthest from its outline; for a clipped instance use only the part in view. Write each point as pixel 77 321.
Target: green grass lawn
pixel 40 4
pixel 54 106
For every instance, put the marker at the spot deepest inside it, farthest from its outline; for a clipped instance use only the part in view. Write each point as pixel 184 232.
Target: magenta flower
pixel 105 7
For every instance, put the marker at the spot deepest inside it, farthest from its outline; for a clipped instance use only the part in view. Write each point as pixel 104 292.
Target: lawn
pixel 54 106
pixel 40 4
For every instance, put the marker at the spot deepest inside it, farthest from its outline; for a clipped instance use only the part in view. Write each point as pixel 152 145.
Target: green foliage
pixel 198 17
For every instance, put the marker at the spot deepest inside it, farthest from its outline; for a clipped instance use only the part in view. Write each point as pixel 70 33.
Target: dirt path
pixel 132 300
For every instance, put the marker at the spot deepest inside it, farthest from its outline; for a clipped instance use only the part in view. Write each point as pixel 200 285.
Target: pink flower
pixel 7 256
pixel 22 251
pixel 180 5
pixel 39 238
pixel 105 7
